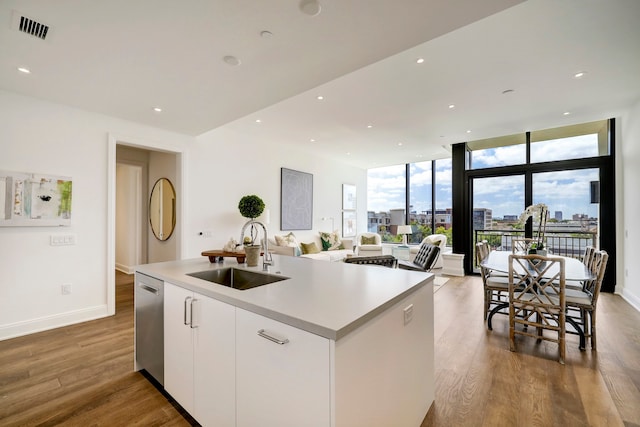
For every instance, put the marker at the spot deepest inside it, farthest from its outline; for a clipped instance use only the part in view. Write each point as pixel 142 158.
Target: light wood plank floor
pixel 82 374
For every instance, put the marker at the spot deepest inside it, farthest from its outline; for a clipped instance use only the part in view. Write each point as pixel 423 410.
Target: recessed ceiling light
pixel 369 126
pixel 579 74
pixel 312 140
pixel 266 34
pixel 310 7
pixel 566 113
pixel 399 144
pixel 157 109
pixel 452 106
pixel 348 153
pixel 24 70
pixel 506 91
pixel 419 156
pixel 231 60
pixel 258 121
pixel 419 60
pixel 469 131
pixel 319 97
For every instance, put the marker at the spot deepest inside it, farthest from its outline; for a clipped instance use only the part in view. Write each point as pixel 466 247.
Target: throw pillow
pixel 289 240
pixel 432 240
pixel 364 240
pixel 309 248
pixel 331 241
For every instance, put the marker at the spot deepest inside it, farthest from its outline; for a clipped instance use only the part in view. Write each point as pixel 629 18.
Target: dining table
pixel 575 271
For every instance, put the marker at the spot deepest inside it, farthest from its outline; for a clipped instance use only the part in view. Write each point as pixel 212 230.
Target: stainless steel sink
pixel 236 278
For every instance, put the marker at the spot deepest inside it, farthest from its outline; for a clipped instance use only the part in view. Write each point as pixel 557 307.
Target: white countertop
pixel 329 299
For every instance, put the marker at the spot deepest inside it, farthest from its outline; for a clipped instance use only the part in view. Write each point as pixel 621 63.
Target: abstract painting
pixel 29 199
pixel 296 198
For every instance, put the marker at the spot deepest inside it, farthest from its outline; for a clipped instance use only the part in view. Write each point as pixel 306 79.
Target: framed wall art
pixel 296 198
pixel 30 199
pixel 349 223
pixel 349 197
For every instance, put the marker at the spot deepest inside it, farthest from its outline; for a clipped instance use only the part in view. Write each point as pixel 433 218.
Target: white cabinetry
pixel 283 374
pixel 199 351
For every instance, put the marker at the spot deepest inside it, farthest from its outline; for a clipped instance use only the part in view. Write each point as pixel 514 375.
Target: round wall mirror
pixel 162 209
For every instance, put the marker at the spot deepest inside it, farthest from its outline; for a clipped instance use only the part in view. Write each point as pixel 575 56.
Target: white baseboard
pixel 632 299
pixel 126 269
pixel 31 326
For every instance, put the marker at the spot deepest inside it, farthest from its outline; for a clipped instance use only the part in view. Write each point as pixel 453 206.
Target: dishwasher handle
pixel 148 288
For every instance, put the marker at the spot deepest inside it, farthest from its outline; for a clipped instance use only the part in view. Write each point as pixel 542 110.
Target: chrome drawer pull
pixel 263 334
pixel 186 301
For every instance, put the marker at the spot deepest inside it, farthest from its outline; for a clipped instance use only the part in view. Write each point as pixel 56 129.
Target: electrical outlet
pixel 66 289
pixel 408 314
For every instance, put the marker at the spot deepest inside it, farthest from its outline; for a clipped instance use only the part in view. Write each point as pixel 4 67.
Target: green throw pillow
pixel 364 240
pixel 309 248
pixel 331 241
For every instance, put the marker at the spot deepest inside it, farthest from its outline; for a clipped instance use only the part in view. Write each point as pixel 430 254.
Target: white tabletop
pixel 574 268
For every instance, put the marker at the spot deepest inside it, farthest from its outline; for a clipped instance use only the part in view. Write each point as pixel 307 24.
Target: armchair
pixel 439 240
pixel 367 248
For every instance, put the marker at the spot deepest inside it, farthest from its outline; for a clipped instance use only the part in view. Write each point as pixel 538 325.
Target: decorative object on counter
pixel 231 246
pixel 253 255
pixel 296 195
pixel 539 213
pixel 252 207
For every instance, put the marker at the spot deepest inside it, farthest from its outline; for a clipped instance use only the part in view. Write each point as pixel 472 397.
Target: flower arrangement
pixel 539 213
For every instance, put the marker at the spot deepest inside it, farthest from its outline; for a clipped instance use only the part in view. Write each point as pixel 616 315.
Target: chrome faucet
pixel 267 258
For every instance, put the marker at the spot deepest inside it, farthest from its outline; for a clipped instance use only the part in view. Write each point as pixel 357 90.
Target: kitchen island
pixel 334 344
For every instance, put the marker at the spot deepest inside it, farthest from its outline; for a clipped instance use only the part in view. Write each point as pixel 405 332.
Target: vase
pixel 253 254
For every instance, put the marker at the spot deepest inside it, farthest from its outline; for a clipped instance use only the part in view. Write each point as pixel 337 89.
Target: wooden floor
pixel 82 374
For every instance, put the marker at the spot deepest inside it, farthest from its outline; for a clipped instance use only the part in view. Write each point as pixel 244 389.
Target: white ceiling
pixel 123 57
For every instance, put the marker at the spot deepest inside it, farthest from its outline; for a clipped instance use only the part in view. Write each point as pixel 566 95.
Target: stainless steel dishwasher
pixel 149 323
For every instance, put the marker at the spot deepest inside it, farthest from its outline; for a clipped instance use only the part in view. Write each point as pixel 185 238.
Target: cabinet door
pixel 284 383
pixel 178 345
pixel 214 362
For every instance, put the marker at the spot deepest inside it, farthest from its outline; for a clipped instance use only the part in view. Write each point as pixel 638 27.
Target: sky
pixel 565 191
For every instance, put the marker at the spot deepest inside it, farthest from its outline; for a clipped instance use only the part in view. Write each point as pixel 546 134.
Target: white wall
pixel 42 137
pixel 223 167
pixel 47 138
pixel 628 284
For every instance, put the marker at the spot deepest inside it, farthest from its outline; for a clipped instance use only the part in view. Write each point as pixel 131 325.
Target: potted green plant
pixel 251 207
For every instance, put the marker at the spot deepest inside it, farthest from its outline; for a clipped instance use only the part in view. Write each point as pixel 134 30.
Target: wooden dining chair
pixel 587 258
pixel 581 304
pixel 520 245
pixel 537 299
pixel 495 286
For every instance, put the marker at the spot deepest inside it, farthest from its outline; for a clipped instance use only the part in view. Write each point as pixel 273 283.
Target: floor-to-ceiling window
pixel 418 194
pixel 569 169
pixel 386 201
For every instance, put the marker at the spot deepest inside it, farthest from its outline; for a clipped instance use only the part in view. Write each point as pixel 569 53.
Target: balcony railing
pixel 557 243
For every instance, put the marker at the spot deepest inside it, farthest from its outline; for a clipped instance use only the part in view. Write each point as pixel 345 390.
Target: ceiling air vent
pixel 29 26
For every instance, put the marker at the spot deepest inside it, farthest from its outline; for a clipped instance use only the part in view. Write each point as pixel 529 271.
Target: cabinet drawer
pixel 283 374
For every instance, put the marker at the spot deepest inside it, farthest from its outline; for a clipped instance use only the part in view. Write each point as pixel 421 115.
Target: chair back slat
pixel 537 298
